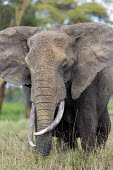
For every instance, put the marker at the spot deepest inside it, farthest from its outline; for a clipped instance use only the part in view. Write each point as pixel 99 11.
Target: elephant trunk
pixel 45 103
pixel 55 122
pixel 45 114
pixel 49 128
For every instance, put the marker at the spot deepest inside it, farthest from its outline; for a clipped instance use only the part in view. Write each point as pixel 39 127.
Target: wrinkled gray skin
pixel 68 62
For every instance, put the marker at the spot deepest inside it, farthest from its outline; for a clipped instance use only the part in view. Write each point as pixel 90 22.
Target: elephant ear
pixel 13 50
pixel 94 53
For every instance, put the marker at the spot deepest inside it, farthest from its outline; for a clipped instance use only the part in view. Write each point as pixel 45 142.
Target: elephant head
pixel 49 60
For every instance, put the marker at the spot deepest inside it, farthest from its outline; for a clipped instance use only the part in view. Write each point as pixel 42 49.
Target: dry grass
pixel 15 154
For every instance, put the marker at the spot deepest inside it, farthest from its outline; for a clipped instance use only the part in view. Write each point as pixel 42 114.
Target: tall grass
pixel 16 155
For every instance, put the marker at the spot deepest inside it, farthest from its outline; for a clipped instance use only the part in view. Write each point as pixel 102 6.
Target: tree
pixel 108 4
pixel 69 12
pixel 6 17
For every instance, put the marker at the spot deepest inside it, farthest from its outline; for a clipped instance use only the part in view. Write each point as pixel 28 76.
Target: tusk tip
pixel 38 133
pixel 34 134
pixel 31 144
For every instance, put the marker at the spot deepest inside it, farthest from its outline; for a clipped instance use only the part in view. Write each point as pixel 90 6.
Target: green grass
pixel 110 105
pixel 15 154
pixel 12 111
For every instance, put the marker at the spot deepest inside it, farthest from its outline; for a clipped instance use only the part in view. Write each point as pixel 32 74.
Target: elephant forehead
pixel 49 45
pixel 50 37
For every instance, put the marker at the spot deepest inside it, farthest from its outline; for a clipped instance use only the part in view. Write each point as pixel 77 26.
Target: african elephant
pixel 68 64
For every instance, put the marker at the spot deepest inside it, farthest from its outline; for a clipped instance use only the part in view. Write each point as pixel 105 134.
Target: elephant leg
pixel 66 129
pixel 69 130
pixel 67 133
pixel 72 142
pixel 104 126
pixel 70 137
pixel 87 134
pixel 87 119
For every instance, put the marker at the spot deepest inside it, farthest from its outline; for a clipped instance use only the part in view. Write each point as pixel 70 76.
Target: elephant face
pixel 51 56
pixel 49 60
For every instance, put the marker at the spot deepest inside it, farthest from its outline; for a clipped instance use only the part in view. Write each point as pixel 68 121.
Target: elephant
pixel 67 71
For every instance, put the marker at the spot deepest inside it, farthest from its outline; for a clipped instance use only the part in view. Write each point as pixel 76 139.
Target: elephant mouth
pixel 55 122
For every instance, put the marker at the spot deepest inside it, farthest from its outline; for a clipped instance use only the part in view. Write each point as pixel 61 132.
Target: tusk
pixel 31 126
pixel 55 122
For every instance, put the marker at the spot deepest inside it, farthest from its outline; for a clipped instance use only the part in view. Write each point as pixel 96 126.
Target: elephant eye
pixel 64 65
